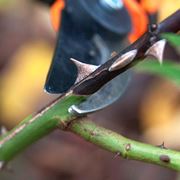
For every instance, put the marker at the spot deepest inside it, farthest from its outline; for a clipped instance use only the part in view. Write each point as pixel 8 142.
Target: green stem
pixel 126 148
pixel 57 116
pixel 33 128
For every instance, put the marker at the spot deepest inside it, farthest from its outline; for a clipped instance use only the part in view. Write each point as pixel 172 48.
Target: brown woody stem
pixel 102 75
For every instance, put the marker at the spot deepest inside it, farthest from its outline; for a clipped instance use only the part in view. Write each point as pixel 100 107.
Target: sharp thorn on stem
pixel 162 145
pixel 157 50
pixel 83 69
pixel 116 155
pixel 123 60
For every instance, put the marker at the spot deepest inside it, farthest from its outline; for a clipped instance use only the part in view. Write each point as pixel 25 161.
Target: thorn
pixel 162 146
pixel 157 50
pixel 83 69
pixel 113 54
pixel 116 155
pixel 3 130
pixel 123 60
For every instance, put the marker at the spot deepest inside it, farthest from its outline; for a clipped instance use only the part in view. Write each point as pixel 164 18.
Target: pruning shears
pixel 89 31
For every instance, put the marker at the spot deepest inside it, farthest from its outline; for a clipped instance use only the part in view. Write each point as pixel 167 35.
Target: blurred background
pixel 149 111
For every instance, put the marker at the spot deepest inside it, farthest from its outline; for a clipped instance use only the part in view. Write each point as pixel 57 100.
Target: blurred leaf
pixel 23 81
pixel 2 2
pixel 168 70
pixel 174 39
pixel 5 3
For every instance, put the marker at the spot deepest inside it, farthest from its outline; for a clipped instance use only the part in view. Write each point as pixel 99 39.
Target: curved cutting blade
pixel 90 46
pixel 107 95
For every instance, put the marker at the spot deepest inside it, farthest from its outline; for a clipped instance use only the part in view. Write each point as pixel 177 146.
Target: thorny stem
pixel 124 147
pixel 33 128
pixel 57 115
pixel 101 76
